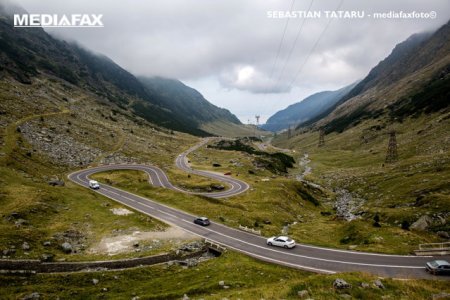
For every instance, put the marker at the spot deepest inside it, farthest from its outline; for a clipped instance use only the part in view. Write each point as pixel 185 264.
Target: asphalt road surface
pixel 306 257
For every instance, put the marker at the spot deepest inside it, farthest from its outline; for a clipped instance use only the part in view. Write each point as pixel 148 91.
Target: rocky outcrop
pixel 422 223
pixel 347 205
pixel 61 148
pixel 341 284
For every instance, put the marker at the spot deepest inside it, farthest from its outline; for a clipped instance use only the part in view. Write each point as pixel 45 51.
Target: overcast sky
pixel 227 49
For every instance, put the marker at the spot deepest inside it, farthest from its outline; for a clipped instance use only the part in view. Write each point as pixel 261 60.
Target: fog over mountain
pixel 207 44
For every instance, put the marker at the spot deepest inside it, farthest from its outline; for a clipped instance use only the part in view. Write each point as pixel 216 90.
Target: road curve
pixel 306 257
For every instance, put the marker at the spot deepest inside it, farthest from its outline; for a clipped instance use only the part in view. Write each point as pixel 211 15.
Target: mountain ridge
pixel 311 106
pixel 28 52
pixel 418 62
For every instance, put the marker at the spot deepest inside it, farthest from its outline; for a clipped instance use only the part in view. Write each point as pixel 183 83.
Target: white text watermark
pixel 54 20
pixel 349 14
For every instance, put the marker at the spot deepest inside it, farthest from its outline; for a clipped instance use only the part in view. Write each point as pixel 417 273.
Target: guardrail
pixel 251 230
pixel 433 249
pixel 215 246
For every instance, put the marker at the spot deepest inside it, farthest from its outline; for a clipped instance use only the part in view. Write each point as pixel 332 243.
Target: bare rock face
pixel 422 223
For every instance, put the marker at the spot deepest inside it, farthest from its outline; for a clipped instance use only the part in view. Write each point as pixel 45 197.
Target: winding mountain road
pixel 306 257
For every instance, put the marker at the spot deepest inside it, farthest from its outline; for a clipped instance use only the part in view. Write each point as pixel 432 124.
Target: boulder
pixel 95 281
pixel 25 246
pixel 379 284
pixel 340 284
pixel 185 297
pixel 443 234
pixel 47 257
pixel 32 296
pixel 56 182
pixel 303 293
pixel 66 247
pixel 422 223
pixel 221 283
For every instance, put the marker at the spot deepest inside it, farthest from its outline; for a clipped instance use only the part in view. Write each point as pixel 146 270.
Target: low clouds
pixel 248 78
pixel 234 42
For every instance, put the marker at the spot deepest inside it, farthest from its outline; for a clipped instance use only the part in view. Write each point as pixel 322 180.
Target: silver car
pixel 281 241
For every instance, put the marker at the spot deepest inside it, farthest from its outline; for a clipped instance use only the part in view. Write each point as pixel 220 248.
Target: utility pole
pixel 391 154
pixel 321 137
pixel 257 123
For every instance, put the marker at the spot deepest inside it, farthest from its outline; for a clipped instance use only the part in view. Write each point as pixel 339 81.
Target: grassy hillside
pixel 399 193
pixel 27 52
pixel 50 128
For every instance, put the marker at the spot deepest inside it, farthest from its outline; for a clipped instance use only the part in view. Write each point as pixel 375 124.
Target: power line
pixel 281 42
pixel 294 44
pixel 314 47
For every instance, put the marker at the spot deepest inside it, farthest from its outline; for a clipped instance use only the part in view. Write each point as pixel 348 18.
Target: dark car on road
pixel 438 267
pixel 202 221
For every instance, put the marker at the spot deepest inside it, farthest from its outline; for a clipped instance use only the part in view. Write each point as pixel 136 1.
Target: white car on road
pixel 93 184
pixel 281 241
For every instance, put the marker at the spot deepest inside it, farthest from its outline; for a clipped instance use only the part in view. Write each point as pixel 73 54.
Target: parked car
pixel 202 221
pixel 93 184
pixel 438 267
pixel 281 241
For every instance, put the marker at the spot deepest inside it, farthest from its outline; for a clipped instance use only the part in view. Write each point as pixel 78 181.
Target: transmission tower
pixel 289 132
pixel 321 137
pixel 391 154
pixel 257 119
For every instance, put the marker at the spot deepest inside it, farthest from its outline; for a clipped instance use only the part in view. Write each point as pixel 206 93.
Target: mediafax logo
pixel 54 20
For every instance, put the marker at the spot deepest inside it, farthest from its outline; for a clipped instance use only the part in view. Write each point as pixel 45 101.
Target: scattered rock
pixel 95 281
pixel 31 296
pixel 422 223
pixel 352 247
pixel 347 205
pixel 121 211
pixel 104 289
pixel 47 257
pixel 185 297
pixel 56 182
pixel 341 284
pixel 379 284
pixel 345 296
pixel 46 243
pixel 303 293
pixel 190 262
pixel 364 285
pixel 66 247
pixel 20 222
pixel 443 234
pixel 226 286
pixel 25 246
pixel 221 283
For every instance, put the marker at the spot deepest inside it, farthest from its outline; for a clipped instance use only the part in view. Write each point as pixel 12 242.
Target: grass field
pixel 243 278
